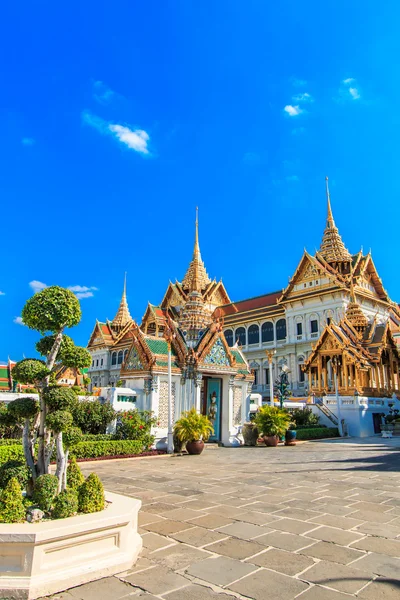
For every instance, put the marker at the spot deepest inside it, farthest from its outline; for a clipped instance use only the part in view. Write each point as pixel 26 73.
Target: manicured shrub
pixel 59 398
pixel 111 448
pixel 77 390
pixel 75 477
pixel 91 416
pixel 304 417
pixel 60 420
pixel 45 491
pixel 317 433
pixel 135 425
pixel 10 442
pixel 65 504
pixel 13 452
pixel 91 495
pixel 12 509
pixel 16 469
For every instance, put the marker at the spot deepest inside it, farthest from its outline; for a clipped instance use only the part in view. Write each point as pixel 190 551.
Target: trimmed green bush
pixel 59 398
pixel 110 448
pixel 304 417
pixel 91 449
pixel 317 433
pixel 91 416
pixel 10 442
pixel 75 477
pixel 45 491
pixel 14 468
pixel 65 504
pixel 12 509
pixel 13 452
pixel 91 495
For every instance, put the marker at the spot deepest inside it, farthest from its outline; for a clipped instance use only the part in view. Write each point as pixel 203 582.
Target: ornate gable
pixel 311 270
pixel 217 355
pixel 133 361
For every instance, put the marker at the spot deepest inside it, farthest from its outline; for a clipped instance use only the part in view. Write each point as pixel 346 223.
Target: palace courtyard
pixel 320 521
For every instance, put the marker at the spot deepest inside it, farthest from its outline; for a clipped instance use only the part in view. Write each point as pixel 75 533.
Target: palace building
pixel 206 372
pixel 335 305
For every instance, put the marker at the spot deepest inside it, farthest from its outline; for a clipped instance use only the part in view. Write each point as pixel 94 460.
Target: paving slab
pixel 152 541
pixel 380 564
pixel 244 531
pixel 332 552
pixel 198 536
pixel 317 592
pixel 268 584
pixel 109 587
pixel 378 545
pixel 167 526
pixel 281 561
pixel 381 589
pixel 156 581
pixel 211 521
pixel 221 570
pixel 177 557
pixel 284 541
pixel 196 592
pixel 336 576
pixel 332 534
pixel 235 548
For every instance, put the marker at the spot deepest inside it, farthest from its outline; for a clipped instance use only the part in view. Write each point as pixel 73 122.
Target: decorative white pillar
pixel 270 354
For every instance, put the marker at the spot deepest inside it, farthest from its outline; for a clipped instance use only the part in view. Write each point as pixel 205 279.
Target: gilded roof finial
pixel 123 315
pixel 196 277
pixel 332 247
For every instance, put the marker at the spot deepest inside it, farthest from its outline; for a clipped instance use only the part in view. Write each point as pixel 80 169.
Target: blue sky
pixel 118 119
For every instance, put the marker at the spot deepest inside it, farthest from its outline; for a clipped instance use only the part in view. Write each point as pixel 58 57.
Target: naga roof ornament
pixel 332 247
pixel 196 277
pixel 123 315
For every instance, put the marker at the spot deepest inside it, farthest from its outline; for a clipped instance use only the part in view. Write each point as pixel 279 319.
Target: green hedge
pixel 89 449
pixel 9 442
pixel 317 433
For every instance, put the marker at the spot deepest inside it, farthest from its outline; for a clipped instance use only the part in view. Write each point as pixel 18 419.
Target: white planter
pixel 38 559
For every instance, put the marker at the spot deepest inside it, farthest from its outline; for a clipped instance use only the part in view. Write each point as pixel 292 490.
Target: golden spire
pixel 196 277
pixel 332 247
pixel 354 314
pixel 123 316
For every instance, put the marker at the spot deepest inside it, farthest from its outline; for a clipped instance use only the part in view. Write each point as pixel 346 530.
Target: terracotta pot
pixel 195 447
pixel 271 440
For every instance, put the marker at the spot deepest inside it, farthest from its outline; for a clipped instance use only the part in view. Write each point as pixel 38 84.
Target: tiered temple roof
pixel 332 247
pixel 196 277
pixel 123 316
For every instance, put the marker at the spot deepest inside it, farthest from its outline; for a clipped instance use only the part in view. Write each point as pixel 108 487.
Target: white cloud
pixel 2 293
pixel 293 111
pixel 37 286
pixel 349 89
pixel 303 98
pixel 135 139
pixel 102 93
pixel 354 93
pixel 27 141
pixel 18 321
pixel 82 291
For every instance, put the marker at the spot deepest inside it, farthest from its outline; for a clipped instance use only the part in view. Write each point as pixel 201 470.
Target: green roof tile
pixel 238 356
pixel 158 346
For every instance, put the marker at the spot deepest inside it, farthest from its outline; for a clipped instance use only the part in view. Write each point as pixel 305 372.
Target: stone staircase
pixel 328 413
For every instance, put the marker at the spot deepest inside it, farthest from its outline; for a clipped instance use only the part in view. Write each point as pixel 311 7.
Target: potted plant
pixel 193 429
pixel 290 436
pixel 272 423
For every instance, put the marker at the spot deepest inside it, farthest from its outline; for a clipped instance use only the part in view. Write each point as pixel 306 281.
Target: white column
pixel 170 441
pixel 271 384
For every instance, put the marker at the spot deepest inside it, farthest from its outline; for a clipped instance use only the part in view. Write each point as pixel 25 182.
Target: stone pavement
pixel 319 521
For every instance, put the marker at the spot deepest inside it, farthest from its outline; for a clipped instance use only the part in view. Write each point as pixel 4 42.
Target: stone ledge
pixel 38 559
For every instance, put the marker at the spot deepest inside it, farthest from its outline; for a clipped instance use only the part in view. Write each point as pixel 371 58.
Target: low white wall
pixel 357 412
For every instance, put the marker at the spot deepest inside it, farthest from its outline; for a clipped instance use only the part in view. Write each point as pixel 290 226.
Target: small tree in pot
pixel 193 429
pixel 272 422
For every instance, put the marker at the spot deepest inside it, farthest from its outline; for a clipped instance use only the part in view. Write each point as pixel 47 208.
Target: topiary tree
pixel 91 495
pixel 45 491
pixel 25 411
pixel 50 312
pixel 12 509
pixel 75 477
pixel 65 504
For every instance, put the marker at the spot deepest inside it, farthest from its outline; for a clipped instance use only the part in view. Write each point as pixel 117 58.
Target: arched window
pixel 114 358
pixel 240 336
pixel 281 329
pixel 253 334
pixel 229 337
pixel 125 353
pixel 267 332
pixel 120 357
pixel 300 361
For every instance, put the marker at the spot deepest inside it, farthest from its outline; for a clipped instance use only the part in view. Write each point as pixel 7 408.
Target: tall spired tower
pixel 332 247
pixel 123 315
pixel 195 316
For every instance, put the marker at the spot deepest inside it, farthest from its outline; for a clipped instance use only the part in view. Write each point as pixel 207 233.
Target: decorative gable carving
pixel 217 355
pixel 133 362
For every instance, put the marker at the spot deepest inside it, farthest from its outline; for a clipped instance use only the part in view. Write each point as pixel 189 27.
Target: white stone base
pixel 38 559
